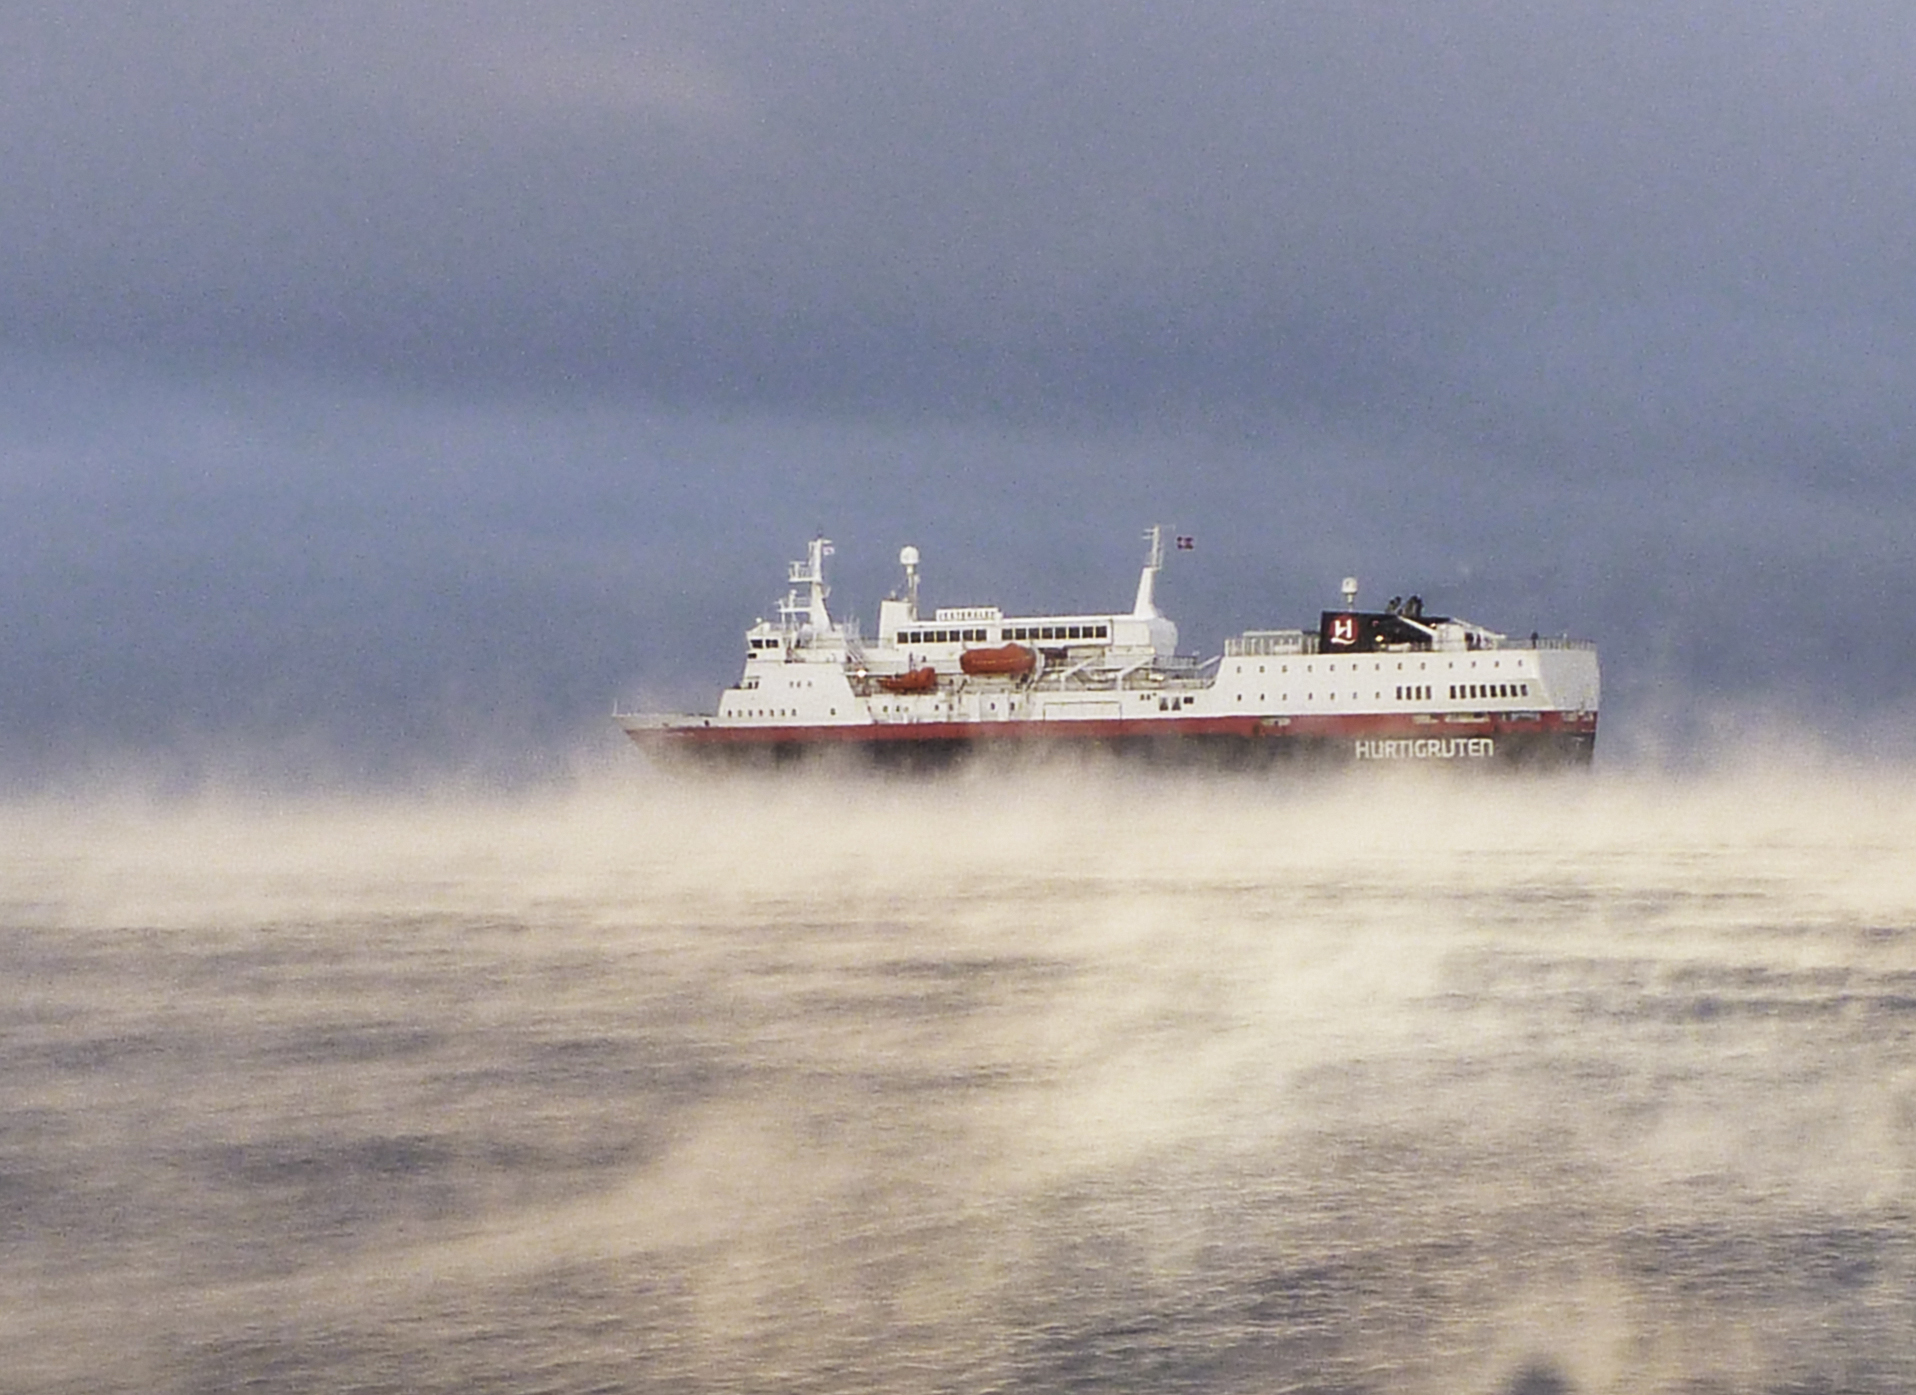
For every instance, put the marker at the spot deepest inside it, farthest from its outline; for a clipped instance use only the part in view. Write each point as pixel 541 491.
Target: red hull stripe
pixel 1370 725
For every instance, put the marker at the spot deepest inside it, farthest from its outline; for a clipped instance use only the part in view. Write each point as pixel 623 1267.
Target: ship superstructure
pixel 1388 685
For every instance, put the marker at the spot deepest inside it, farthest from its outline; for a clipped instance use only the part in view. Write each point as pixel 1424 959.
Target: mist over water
pixel 1043 1080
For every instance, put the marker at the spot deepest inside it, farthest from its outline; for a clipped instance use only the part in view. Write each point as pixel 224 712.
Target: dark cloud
pixel 1116 205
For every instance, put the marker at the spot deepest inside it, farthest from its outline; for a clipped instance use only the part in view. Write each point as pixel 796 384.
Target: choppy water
pixel 1071 1082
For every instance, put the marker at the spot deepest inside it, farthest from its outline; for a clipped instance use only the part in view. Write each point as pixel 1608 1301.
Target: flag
pixel 1186 543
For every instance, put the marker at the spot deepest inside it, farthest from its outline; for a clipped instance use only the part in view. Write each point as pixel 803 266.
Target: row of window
pixel 1057 632
pixel 1010 632
pixel 943 637
pixel 1420 692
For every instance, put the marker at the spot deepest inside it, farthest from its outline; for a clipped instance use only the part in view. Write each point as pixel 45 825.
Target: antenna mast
pixel 811 574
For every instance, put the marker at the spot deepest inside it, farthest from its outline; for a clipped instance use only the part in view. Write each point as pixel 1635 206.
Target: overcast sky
pixel 402 382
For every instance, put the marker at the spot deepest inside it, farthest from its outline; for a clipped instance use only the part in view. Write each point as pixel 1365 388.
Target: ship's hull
pixel 1526 740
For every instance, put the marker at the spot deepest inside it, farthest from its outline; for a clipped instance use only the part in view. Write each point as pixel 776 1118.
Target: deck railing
pixel 1541 642
pixel 1258 643
pixel 1262 643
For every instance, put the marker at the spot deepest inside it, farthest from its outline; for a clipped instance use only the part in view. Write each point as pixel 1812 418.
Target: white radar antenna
pixel 908 559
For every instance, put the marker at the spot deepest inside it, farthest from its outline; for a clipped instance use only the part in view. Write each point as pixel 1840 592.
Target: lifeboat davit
pixel 1009 659
pixel 917 680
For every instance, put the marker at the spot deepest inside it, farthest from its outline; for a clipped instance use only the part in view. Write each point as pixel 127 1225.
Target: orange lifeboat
pixel 1013 660
pixel 917 680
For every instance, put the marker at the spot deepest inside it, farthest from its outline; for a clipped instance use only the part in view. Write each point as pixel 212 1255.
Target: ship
pixel 1395 685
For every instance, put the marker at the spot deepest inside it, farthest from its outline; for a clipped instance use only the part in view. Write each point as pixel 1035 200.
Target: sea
pixel 1077 1079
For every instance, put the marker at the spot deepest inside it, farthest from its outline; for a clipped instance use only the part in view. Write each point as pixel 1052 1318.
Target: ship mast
pixel 1146 607
pixel 809 573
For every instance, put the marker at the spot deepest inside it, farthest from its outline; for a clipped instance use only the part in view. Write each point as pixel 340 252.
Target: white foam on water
pixel 847 1083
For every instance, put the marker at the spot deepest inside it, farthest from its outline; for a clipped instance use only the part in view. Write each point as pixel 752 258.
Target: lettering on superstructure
pixel 1428 748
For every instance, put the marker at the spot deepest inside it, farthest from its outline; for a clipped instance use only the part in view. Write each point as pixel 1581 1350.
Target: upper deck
pixel 977 664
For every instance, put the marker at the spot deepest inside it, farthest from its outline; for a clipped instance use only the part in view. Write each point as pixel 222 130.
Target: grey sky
pixel 1601 311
